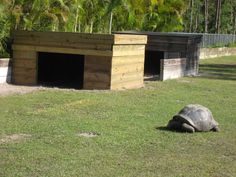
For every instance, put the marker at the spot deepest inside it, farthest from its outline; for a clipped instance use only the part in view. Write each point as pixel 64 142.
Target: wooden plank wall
pixel 111 61
pixel 24 71
pixel 71 43
pixel 167 43
pixel 172 68
pixel 97 72
pixel 185 45
pixel 127 66
pixel 193 56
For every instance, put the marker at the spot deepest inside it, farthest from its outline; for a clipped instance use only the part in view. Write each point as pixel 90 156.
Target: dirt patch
pixel 8 89
pixel 88 134
pixel 184 81
pixel 14 138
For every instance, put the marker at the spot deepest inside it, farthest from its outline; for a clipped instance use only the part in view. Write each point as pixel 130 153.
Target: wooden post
pixel 24 67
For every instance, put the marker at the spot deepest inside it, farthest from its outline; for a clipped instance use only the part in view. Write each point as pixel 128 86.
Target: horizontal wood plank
pixel 88 85
pixel 98 60
pixel 24 80
pixel 166 39
pixel 24 63
pixel 130 39
pixel 66 44
pixel 97 77
pixel 23 76
pixel 126 77
pixel 24 71
pixel 65 36
pixel 127 50
pixel 135 67
pixel 62 50
pixel 166 47
pixel 127 60
pixel 24 54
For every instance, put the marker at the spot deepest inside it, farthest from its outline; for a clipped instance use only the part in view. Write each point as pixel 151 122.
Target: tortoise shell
pixel 197 116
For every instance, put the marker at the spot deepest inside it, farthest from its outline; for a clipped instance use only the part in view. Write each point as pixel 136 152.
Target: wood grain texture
pixel 127 72
pixel 70 38
pixel 24 76
pixel 128 50
pixel 67 37
pixel 97 72
pixel 130 39
pixel 121 60
pixel 24 54
pixel 25 63
pixel 62 50
pixel 24 67
pixel 109 59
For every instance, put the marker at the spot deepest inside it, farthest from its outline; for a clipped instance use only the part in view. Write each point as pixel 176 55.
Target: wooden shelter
pixel 85 61
pixel 170 55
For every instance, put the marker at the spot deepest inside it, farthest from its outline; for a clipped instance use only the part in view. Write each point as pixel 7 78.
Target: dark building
pixel 170 55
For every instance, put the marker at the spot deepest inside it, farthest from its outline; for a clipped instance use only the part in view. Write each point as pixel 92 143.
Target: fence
pixel 217 40
pixel 212 40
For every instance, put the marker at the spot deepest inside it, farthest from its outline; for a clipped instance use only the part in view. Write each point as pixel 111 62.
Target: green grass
pixel 133 140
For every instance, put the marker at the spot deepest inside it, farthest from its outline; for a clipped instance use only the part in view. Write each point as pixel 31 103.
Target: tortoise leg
pixel 174 125
pixel 188 128
pixel 215 129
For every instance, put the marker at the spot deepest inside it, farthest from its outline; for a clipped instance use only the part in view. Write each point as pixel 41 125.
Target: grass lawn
pixel 132 140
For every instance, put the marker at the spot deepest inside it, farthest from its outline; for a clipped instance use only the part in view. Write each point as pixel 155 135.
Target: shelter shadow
pixel 218 71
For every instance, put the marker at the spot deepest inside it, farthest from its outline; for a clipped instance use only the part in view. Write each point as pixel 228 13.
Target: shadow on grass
pixel 218 71
pixel 164 128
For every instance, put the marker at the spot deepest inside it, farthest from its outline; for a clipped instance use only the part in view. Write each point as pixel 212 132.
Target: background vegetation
pixel 104 16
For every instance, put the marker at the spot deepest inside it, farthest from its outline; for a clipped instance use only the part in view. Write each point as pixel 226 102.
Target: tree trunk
pixel 218 14
pixel 196 24
pixel 91 27
pixel 197 17
pixel 234 21
pixel 191 16
pixel 219 23
pixel 79 28
pixel 110 23
pixel 76 19
pixel 206 16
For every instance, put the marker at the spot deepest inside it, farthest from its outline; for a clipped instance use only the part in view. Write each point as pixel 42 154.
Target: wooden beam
pixel 62 50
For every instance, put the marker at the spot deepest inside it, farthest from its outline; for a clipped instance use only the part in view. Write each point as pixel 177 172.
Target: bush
pixel 232 44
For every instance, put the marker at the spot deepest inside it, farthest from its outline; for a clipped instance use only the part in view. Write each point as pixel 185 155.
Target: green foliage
pixel 104 16
pixel 133 140
pixel 164 16
pixel 218 45
pixel 231 45
pixel 4 29
pixel 194 17
pixel 89 15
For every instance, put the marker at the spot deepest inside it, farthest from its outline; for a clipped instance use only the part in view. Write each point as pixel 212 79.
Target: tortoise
pixel 193 118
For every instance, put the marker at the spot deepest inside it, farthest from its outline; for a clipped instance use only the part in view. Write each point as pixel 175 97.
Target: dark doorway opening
pixel 61 70
pixel 152 64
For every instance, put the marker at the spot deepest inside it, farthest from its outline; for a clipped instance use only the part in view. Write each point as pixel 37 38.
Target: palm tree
pixel 50 14
pixel 164 15
pixel 127 13
pixel 10 15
